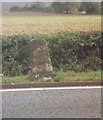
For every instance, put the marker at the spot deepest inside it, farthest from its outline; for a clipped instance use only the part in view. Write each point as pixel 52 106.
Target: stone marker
pixel 40 61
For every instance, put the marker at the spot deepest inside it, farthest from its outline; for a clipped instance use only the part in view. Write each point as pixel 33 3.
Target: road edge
pixel 56 84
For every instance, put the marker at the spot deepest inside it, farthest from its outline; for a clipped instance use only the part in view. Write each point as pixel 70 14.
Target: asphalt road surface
pixel 68 102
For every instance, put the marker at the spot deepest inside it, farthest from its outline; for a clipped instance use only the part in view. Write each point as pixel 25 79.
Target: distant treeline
pixel 62 7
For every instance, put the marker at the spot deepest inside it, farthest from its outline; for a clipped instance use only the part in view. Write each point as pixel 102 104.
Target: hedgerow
pixel 70 51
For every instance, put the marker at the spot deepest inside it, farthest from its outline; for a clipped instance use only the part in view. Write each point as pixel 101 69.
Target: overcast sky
pixel 50 0
pixel 16 0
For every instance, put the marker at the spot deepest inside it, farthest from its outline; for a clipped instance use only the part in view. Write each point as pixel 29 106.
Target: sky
pixel 50 0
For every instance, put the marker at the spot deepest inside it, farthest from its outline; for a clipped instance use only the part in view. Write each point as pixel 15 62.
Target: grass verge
pixel 61 76
pixel 79 76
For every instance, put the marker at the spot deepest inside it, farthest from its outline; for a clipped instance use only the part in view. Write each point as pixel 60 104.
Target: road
pixel 64 102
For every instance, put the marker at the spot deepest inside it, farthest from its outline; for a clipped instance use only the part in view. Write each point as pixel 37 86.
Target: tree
pixel 68 7
pixel 15 8
pixel 91 7
pixel 57 7
pixel 102 7
pixel 38 6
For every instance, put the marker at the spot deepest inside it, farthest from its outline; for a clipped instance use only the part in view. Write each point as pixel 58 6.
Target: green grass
pixel 17 79
pixel 50 24
pixel 79 76
pixel 61 76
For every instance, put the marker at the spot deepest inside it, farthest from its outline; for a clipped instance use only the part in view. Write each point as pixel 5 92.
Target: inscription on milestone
pixel 40 61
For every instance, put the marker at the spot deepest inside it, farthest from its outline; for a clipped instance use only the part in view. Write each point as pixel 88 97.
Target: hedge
pixel 70 51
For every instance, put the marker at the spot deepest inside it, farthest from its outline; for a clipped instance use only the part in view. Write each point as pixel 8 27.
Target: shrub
pixel 70 51
pixel 75 51
pixel 15 55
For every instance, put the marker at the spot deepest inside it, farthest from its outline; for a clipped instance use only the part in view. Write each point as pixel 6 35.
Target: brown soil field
pixel 6 13
pixel 45 23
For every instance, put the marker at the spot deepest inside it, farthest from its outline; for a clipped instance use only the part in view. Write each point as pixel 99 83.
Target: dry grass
pixel 31 23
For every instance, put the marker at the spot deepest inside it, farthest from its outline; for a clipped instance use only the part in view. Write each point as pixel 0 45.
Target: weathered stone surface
pixel 40 61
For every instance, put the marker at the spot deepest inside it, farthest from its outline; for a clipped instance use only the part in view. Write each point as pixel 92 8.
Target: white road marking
pixel 51 88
